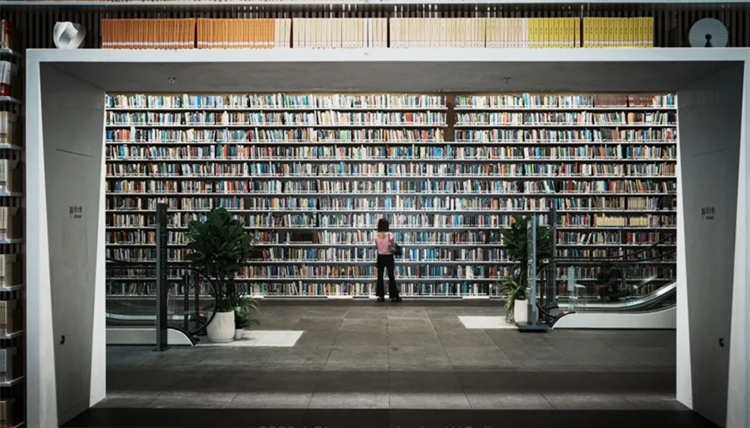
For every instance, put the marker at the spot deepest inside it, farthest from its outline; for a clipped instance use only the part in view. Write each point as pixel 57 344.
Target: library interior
pixel 291 213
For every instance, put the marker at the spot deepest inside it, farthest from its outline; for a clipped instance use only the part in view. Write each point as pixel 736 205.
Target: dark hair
pixel 382 225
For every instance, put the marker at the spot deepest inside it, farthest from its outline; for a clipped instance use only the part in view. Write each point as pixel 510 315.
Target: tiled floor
pixel 364 355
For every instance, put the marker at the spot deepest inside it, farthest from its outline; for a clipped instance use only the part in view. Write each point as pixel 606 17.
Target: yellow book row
pixel 328 33
pixel 243 33
pixel 340 33
pixel 618 32
pixel 148 33
pixel 533 32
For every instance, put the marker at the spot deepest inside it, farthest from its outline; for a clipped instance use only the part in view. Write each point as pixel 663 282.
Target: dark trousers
pixel 386 262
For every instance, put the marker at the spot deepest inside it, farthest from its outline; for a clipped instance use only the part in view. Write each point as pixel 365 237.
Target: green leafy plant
pixel 516 243
pixel 246 311
pixel 219 247
pixel 512 290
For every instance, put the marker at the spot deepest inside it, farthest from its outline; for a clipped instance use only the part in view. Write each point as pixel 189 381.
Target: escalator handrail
pixel 187 267
pixel 633 304
pixel 551 319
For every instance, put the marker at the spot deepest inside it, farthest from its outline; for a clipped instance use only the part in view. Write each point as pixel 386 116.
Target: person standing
pixel 383 241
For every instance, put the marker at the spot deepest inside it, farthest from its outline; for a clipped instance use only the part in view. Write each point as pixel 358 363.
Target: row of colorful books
pixel 331 33
pixel 384 101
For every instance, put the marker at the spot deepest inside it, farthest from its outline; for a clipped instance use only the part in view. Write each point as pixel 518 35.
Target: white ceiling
pixel 432 76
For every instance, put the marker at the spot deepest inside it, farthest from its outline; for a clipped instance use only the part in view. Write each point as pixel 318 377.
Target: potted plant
pixel 219 247
pixel 515 299
pixel 516 243
pixel 244 310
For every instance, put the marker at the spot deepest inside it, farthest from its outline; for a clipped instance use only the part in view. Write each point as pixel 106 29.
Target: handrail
pixel 646 300
pixel 620 260
pixel 186 267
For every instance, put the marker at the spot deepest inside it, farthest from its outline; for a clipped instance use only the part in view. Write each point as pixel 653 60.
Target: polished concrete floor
pixel 411 357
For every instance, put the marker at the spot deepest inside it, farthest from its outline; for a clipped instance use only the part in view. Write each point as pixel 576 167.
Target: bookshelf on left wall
pixel 12 284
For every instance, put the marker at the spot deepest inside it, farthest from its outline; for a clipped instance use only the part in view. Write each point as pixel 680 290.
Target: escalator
pixel 656 310
pixel 658 299
pixel 610 295
pixel 132 305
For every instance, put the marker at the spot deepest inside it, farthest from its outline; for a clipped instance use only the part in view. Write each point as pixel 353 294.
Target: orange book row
pixel 148 33
pixel 243 33
pixel 192 33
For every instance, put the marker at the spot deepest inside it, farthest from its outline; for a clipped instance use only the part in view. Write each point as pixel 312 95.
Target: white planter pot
pixel 238 333
pixel 521 311
pixel 221 329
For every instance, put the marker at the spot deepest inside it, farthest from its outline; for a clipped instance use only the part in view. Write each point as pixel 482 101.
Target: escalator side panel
pixel 661 319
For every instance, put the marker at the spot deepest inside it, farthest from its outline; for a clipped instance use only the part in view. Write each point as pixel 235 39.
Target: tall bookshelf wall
pixel 12 244
pixel 311 174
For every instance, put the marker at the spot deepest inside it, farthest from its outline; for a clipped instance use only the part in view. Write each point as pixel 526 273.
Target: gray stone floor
pixel 363 355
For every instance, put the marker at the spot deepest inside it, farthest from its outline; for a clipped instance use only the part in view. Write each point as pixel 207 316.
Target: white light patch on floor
pixel 258 338
pixel 487 323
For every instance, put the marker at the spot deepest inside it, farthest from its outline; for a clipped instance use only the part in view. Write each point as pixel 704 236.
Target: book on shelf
pixel 10 223
pixel 148 33
pixel 10 364
pixel 6 33
pixel 6 70
pixel 8 128
pixel 10 176
pixel 11 270
pixel 8 412
pixel 10 316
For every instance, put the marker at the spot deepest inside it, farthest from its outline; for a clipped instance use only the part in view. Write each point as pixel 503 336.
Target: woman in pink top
pixel 383 241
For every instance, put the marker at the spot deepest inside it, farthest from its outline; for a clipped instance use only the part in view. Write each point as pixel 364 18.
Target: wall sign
pixel 76 212
pixel 707 213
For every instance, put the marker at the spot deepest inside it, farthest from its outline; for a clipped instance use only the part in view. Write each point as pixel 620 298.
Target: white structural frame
pixel 41 371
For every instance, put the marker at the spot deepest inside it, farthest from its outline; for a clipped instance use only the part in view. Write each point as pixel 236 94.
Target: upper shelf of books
pixel 163 3
pixel 396 102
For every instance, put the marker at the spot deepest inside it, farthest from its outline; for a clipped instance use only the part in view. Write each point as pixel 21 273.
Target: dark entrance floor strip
pixel 241 418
